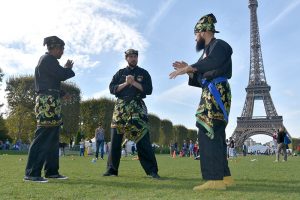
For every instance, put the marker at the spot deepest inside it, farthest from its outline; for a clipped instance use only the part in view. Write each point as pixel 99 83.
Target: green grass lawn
pixel 258 179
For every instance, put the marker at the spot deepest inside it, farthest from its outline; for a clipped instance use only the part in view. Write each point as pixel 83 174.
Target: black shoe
pixel 58 176
pixel 110 173
pixel 154 175
pixel 35 179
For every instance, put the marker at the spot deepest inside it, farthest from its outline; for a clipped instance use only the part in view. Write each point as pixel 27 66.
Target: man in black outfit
pixel 44 149
pixel 130 118
pixel 211 73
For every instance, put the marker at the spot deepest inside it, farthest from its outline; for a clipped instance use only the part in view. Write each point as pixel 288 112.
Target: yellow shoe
pixel 228 180
pixel 211 185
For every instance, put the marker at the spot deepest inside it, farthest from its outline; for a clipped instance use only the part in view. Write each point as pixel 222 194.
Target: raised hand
pixel 179 65
pixel 69 64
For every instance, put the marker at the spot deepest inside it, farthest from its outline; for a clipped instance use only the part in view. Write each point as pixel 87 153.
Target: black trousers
pixel 44 150
pixel 213 153
pixel 144 148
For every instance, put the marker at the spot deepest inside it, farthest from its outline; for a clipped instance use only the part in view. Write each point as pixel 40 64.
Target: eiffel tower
pixel 257 89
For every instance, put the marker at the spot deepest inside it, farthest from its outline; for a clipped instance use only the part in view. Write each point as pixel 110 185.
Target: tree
pixel 192 135
pixel 70 110
pixel 181 133
pixel 154 123
pixel 93 112
pixel 166 132
pixel 1 78
pixel 3 129
pixel 21 95
pixel 21 124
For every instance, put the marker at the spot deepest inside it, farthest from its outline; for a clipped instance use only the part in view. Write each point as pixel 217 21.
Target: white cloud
pixel 88 28
pixel 101 94
pixel 283 13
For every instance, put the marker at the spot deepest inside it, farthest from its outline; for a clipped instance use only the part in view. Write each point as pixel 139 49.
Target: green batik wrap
pixel 209 110
pixel 130 118
pixel 48 110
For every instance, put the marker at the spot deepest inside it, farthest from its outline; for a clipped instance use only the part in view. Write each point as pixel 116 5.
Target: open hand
pixel 69 64
pixel 179 65
pixel 178 71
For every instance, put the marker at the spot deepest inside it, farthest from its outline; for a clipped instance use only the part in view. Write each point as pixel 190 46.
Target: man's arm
pixel 52 67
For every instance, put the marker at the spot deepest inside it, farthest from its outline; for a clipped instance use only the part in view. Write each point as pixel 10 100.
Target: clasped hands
pixel 129 80
pixel 181 68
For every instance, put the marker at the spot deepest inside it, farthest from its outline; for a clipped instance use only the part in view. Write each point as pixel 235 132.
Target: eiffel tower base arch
pixel 248 126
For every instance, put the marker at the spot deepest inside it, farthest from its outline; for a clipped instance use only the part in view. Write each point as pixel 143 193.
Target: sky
pixel 97 32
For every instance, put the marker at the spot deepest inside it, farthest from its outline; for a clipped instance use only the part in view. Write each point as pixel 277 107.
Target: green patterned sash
pixel 130 118
pixel 48 110
pixel 209 110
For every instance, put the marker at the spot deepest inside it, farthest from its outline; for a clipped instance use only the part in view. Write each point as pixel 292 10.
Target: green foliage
pixel 3 130
pixel 21 124
pixel 20 91
pixel 295 143
pixel 93 112
pixel 181 133
pixel 192 135
pixel 166 132
pixel 154 123
pixel 21 121
pixel 70 110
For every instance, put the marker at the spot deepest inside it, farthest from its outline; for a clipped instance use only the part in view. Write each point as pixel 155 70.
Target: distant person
pixel 244 150
pixel 44 149
pixel 99 137
pixel 71 143
pixel 281 145
pixel 62 146
pixel 7 144
pixel 275 140
pixel 191 148
pixel 133 149
pixel 232 150
pixel 81 147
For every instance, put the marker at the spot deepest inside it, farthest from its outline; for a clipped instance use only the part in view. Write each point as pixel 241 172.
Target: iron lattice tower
pixel 257 89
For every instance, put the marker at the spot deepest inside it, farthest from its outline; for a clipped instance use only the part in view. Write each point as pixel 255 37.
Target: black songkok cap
pixel 53 41
pixel 131 51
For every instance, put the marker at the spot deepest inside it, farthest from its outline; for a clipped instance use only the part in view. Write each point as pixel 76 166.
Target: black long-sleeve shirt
pixel 49 74
pixel 140 75
pixel 280 137
pixel 214 62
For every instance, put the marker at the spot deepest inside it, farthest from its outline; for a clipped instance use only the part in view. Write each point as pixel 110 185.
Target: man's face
pixel 200 41
pixel 59 51
pixel 132 60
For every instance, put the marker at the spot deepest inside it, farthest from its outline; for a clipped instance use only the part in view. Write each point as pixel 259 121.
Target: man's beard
pixel 200 45
pixel 132 64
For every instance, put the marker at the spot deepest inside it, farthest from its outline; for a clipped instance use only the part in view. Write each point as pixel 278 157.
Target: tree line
pixel 80 118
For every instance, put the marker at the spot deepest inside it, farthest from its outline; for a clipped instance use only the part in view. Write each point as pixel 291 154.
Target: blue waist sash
pixel 216 94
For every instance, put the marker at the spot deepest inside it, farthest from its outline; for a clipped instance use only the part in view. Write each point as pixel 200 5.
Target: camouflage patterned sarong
pixel 130 118
pixel 209 110
pixel 48 110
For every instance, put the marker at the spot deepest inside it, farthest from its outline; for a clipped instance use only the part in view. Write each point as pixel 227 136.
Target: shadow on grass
pixel 141 183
